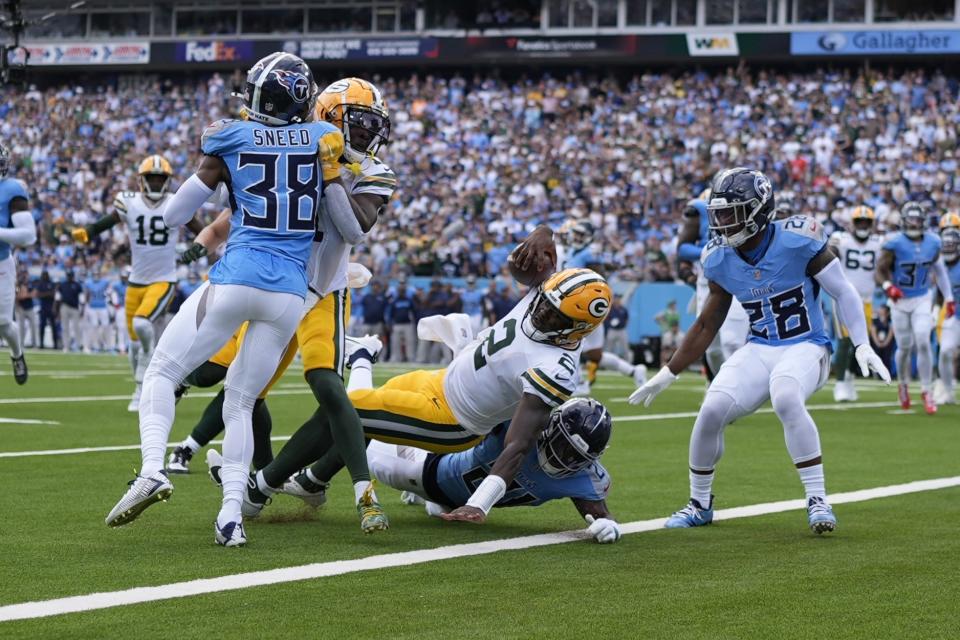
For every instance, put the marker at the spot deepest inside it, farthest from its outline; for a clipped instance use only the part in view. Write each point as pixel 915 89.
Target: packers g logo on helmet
pixel 154 175
pixel 569 306
pixel 358 109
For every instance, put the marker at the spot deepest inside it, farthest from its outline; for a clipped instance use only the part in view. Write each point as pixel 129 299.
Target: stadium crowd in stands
pixel 481 160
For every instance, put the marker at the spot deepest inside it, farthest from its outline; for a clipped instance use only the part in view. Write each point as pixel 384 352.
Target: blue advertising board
pixel 852 43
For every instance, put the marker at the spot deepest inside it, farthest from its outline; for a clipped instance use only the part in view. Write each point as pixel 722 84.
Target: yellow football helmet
pixel 863 219
pixel 569 305
pixel 154 175
pixel 950 220
pixel 358 109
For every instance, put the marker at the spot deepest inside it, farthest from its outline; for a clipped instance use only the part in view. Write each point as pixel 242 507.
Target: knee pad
pixel 786 396
pixel 905 341
pixel 716 411
pixel 163 365
pixel 236 400
pixel 144 330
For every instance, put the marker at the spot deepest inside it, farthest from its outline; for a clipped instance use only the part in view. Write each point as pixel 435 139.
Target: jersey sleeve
pixel 219 138
pixel 805 234
pixel 890 242
pixel 711 257
pixel 593 483
pixel 120 205
pixel 18 189
pixel 377 179
pixel 554 384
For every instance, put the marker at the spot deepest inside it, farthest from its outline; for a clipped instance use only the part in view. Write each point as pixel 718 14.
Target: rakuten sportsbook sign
pixel 89 53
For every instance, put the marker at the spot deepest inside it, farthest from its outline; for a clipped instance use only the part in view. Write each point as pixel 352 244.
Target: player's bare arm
pixel 689 232
pixel 703 330
pixel 367 207
pixel 209 239
pixel 884 271
pixel 528 420
pixel 593 508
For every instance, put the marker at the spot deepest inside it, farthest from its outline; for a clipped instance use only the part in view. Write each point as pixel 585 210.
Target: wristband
pixel 886 285
pixel 488 493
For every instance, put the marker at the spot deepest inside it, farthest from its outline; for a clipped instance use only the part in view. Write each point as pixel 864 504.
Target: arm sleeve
pixel 943 279
pixel 849 304
pixel 689 251
pixel 338 208
pixel 554 386
pixel 185 202
pixel 23 232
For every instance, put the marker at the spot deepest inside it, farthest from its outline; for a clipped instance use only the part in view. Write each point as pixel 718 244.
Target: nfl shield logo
pixel 756 274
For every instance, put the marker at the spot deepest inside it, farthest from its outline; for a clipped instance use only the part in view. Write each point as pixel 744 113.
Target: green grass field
pixel 889 571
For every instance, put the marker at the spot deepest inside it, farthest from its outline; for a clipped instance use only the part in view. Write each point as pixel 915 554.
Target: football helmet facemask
pixel 741 204
pixel 153 176
pixel 279 91
pixel 580 234
pixel 913 219
pixel 863 219
pixel 4 160
pixel 575 437
pixel 569 305
pixel 950 247
pixel 358 109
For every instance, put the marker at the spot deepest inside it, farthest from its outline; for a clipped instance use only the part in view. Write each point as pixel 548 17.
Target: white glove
pixel 868 359
pixel 357 275
pixel 604 530
pixel 652 387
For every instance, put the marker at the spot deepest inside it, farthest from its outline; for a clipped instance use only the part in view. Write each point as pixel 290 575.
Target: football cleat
pixel 692 515
pixel 179 392
pixel 143 492
pixel 820 515
pixel 928 404
pixel 372 517
pixel 214 463
pixel 844 391
pixel 179 460
pixel 254 500
pixel 409 498
pixel 639 375
pixel 134 405
pixel 301 486
pixel 368 347
pixel 904 393
pixel 230 534
pixel 20 369
pixel 943 394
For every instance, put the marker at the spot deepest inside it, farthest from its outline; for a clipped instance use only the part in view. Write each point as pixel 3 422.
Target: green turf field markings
pixel 106 600
pixel 25 421
pixel 120 447
pixel 845 406
pixel 304 390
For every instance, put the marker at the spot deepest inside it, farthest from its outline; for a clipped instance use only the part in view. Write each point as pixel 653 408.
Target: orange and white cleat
pixel 904 394
pixel 928 404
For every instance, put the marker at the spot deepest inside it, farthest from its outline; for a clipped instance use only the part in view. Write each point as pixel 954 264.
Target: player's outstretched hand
pixel 603 530
pixel 465 514
pixel 538 246
pixel 870 361
pixel 652 387
pixel 80 234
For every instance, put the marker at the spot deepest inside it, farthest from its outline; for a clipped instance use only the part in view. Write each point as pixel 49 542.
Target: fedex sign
pixel 214 51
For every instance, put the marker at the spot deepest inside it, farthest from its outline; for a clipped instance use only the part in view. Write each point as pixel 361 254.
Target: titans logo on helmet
pixel 296 85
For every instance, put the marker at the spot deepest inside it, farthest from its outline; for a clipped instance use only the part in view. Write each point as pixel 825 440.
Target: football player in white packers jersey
pixel 517 371
pixel 153 258
pixel 858 250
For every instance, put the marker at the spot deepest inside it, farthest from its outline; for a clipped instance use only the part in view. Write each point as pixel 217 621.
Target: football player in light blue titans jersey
pixel 907 260
pixel 277 164
pixel 776 271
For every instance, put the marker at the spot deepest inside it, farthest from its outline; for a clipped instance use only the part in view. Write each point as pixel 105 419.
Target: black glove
pixel 195 252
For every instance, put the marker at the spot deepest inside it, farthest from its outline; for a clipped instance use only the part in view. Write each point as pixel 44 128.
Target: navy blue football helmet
pixel 279 90
pixel 741 204
pixel 914 219
pixel 575 437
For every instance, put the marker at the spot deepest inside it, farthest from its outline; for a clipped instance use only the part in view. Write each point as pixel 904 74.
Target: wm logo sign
pixel 712 44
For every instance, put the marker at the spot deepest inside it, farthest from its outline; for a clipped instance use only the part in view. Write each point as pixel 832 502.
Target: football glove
pixel 193 253
pixel 330 149
pixel 80 234
pixel 652 387
pixel 603 530
pixel 868 359
pixel 893 291
pixel 950 308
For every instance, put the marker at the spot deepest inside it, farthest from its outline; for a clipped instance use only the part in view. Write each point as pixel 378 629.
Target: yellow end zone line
pixel 110 599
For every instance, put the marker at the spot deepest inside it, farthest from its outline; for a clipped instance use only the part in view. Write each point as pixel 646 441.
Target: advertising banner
pixel 369 48
pixel 214 51
pixel 852 43
pixel 87 53
pixel 717 43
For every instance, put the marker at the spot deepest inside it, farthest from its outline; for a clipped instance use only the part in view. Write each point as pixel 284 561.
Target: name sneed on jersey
pixel 281 137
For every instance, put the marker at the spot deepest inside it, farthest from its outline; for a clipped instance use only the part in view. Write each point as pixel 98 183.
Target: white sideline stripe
pixel 634 418
pixel 109 599
pixel 74 373
pixel 305 390
pixel 26 421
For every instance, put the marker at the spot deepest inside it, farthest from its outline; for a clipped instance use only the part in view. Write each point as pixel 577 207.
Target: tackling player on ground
pixel 153 258
pixel 17 229
pixel 776 271
pixel 858 251
pixel 908 259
